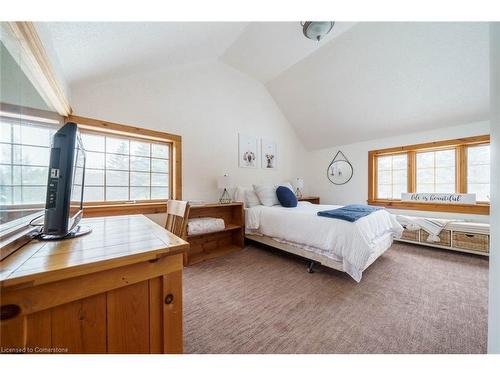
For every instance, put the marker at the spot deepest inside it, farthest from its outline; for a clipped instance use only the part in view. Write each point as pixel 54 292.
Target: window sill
pixel 477 209
pixel 95 210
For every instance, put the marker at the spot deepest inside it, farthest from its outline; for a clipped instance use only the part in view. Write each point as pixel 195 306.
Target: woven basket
pixel 471 241
pixel 444 238
pixel 410 235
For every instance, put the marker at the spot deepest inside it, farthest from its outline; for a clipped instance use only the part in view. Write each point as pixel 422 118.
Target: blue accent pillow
pixel 286 197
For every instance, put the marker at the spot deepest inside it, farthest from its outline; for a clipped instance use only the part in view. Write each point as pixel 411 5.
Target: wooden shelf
pixel 197 258
pixel 214 244
pixel 228 227
pixel 214 205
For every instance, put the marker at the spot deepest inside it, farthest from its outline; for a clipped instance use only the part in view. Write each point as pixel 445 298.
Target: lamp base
pixel 298 193
pixel 225 197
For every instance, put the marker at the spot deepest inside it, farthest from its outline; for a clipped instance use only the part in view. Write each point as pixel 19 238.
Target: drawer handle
pixel 169 299
pixel 9 311
pixel 469 235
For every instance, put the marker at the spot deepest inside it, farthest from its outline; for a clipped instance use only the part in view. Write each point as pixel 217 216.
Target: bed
pixel 341 245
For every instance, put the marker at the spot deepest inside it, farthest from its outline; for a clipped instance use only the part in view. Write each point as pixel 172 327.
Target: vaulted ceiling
pixel 364 81
pixel 382 79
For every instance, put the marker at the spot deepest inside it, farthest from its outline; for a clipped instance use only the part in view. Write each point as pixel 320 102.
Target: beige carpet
pixel 411 300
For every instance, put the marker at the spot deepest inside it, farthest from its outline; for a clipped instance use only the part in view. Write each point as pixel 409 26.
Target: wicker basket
pixel 410 235
pixel 471 241
pixel 444 238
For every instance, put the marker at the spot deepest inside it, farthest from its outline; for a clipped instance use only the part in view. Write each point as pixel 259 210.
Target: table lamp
pixel 299 186
pixel 224 182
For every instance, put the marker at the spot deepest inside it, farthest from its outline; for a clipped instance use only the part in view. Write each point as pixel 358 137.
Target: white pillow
pixel 239 194
pixel 267 193
pixel 247 196
pixel 251 199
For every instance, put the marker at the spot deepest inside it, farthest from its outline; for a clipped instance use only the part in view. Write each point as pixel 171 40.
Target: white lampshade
pixel 224 182
pixel 299 183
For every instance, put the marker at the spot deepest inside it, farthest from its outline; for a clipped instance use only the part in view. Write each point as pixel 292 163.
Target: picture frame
pixel 248 155
pixel 269 157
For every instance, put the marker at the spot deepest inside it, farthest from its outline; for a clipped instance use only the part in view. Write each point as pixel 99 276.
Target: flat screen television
pixel 66 180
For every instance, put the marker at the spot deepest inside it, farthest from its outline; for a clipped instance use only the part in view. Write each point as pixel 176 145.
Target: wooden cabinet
pixel 214 244
pixel 313 200
pixel 116 290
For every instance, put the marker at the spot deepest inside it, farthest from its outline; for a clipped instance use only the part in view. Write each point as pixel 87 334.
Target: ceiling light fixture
pixel 316 30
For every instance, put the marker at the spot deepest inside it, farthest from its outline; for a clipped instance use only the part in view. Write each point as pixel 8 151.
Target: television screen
pixel 66 181
pixel 76 203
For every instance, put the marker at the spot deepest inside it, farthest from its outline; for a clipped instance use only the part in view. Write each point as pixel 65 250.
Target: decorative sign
pixel 439 198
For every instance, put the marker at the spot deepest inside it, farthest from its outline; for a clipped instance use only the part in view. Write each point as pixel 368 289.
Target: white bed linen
pixel 352 243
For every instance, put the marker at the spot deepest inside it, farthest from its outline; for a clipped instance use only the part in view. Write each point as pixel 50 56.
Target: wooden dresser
pixel 116 290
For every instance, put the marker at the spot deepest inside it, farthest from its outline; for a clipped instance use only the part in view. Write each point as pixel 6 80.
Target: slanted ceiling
pixel 364 81
pixel 383 79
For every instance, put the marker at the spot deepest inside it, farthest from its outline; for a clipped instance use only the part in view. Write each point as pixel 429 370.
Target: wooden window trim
pixel 460 145
pixel 92 209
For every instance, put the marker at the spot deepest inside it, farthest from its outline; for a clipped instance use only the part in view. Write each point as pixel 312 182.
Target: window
pixel 125 169
pixel 478 172
pixel 392 176
pixel 24 160
pixel 129 170
pixel 453 166
pixel 436 171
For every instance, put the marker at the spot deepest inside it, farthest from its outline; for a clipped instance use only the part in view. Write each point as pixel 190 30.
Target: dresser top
pixel 114 242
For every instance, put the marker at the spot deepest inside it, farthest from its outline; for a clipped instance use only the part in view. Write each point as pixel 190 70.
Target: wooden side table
pixel 214 244
pixel 313 200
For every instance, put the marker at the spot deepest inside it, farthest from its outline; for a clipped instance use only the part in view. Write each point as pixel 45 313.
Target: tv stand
pixel 79 230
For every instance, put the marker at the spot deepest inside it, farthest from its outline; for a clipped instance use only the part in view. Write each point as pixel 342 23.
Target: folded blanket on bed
pixel 351 212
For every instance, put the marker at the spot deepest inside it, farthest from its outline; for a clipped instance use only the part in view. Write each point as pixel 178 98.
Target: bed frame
pixel 307 254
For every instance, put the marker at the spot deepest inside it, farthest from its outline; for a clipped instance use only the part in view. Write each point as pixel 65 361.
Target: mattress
pixel 354 244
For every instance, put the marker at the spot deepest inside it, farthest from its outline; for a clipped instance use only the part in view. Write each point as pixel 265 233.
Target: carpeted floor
pixel 411 300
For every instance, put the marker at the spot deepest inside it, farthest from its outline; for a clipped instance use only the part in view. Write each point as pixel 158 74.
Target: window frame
pixel 460 145
pixel 108 208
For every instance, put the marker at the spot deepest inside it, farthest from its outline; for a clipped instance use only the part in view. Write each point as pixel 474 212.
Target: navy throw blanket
pixel 351 212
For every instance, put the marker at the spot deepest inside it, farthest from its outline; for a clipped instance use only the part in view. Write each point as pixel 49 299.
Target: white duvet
pixel 354 244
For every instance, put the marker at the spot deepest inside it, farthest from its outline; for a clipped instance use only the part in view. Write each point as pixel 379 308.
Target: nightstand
pixel 313 200
pixel 214 244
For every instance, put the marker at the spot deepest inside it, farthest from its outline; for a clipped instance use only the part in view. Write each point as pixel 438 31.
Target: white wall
pixel 356 190
pixel 55 64
pixel 207 104
pixel 494 291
